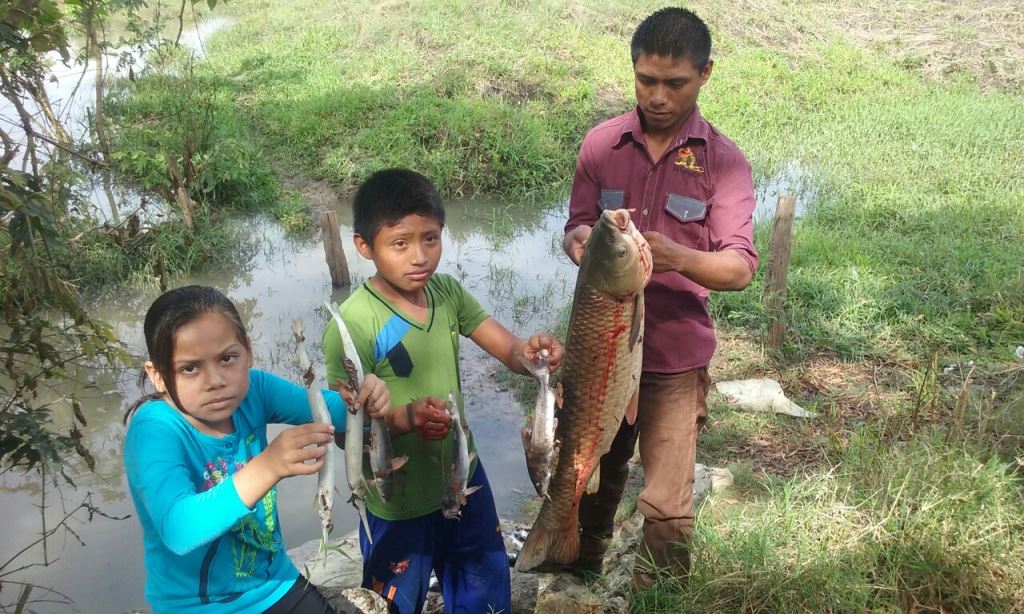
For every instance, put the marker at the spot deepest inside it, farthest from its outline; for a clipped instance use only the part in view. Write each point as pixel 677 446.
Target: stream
pixel 509 258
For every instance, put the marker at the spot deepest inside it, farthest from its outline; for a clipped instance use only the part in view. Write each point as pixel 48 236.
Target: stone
pixel 760 395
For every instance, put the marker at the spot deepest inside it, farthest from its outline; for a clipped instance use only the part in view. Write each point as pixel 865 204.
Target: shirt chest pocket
pixel 686 220
pixel 613 199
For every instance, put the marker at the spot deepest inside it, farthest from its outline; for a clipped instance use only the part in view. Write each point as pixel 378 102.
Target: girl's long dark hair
pixel 168 313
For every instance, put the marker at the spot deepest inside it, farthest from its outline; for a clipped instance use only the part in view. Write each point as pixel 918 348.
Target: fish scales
pixel 600 375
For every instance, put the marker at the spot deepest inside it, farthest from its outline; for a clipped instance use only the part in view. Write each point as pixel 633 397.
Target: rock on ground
pixel 760 395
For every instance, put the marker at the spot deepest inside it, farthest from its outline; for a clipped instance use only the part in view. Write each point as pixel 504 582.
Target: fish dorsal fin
pixel 638 320
pixel 631 407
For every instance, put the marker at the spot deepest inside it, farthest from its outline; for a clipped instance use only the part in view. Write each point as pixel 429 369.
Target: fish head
pixel 617 259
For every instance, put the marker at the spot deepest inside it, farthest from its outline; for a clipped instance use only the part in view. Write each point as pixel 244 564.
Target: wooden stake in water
pixel 333 249
pixel 778 271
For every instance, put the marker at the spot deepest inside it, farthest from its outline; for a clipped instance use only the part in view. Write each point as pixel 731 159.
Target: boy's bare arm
pixel 499 342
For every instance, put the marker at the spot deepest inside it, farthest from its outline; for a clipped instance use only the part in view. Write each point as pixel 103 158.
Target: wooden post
pixel 778 271
pixel 333 249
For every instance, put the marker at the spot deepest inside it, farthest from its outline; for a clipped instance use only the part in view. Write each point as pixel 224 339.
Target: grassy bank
pixel 917 225
pixel 919 527
pixel 906 297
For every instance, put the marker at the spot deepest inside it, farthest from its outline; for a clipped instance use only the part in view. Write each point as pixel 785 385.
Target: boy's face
pixel 406 253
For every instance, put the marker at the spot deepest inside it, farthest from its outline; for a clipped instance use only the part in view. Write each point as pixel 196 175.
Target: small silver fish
pixel 455 492
pixel 323 501
pixel 354 420
pixel 382 464
pixel 539 433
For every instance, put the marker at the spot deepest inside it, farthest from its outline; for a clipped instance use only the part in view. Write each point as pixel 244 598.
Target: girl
pixel 201 472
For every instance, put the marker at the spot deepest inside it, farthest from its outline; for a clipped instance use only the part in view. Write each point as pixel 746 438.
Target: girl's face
pixel 211 367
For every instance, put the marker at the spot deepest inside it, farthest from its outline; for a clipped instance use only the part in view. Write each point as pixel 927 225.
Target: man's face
pixel 666 91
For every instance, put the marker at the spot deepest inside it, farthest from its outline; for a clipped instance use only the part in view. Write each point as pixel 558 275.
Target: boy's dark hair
pixel 168 313
pixel 673 32
pixel 389 195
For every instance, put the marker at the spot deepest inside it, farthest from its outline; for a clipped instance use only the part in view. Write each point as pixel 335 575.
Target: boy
pixel 405 322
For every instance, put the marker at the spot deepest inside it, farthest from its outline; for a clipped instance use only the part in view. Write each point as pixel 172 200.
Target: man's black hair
pixel 673 32
pixel 389 195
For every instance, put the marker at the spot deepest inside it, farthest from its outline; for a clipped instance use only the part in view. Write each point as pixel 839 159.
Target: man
pixel 691 194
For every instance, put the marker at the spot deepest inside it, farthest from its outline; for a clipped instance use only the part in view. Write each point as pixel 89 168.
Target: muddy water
pixel 509 259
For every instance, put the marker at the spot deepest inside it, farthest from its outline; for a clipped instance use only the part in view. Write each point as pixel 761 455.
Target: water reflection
pixel 508 257
pixel 792 179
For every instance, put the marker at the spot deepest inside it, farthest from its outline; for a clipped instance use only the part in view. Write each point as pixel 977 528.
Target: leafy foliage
pixel 46 328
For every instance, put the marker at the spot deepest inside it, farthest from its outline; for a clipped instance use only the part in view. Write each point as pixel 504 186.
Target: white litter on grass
pixel 764 395
pixel 1020 352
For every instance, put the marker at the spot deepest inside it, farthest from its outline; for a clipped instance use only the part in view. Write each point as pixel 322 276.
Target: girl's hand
pixel 374 396
pixel 429 418
pixel 288 454
pixel 544 341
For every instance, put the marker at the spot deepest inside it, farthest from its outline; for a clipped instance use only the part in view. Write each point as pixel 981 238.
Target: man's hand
pixel 724 270
pixel 575 242
pixel 429 418
pixel 664 252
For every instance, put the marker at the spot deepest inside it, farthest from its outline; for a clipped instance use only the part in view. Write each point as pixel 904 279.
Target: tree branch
pixel 181 22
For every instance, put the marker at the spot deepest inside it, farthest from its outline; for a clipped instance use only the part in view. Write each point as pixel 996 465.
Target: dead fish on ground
pixel 600 377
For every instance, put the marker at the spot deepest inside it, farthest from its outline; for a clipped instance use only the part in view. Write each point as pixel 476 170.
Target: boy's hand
pixel 544 341
pixel 430 418
pixel 374 396
pixel 288 454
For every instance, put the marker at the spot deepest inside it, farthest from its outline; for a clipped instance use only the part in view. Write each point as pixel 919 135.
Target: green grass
pixel 917 224
pixel 909 258
pixel 921 526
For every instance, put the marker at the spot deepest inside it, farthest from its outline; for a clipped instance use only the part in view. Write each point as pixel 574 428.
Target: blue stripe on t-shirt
pixel 389 337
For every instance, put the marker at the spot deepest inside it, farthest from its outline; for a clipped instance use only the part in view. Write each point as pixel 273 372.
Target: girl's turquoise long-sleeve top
pixel 205 550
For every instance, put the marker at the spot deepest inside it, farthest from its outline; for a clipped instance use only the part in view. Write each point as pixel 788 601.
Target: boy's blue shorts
pixel 466 554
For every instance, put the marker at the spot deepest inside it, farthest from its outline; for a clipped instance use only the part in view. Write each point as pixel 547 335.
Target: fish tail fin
pixel 549 546
pixel 360 506
pixel 398 462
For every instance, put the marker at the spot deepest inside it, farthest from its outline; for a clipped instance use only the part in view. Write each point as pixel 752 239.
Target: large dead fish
pixel 539 433
pixel 600 377
pixel 323 501
pixel 455 492
pixel 382 463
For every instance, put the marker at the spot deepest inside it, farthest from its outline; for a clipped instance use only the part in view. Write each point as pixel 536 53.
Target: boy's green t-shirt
pixel 415 359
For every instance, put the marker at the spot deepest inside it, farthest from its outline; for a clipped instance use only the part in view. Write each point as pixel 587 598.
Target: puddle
pixel 509 259
pixel 792 179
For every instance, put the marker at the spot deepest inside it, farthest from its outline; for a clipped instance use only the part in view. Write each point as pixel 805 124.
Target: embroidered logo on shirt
pixel 688 160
